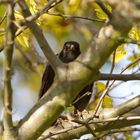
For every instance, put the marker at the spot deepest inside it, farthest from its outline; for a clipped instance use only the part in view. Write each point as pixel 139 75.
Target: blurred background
pixel 70 20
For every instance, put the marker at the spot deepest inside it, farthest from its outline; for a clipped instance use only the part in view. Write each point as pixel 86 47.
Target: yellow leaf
pixel 23 40
pixel 133 58
pixel 119 56
pixel 18 15
pixel 107 102
pixel 100 86
pixel 120 53
pixel 70 108
pixel 99 12
pixel 2 11
pixel 93 104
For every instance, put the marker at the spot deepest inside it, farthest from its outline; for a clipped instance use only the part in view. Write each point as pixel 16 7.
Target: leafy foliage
pixel 120 53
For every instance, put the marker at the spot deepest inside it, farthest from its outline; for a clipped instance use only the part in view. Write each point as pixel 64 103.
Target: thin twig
pixel 112 66
pixel 3 18
pixel 72 16
pixel 20 30
pixel 44 137
pixel 109 87
pixel 115 119
pixel 122 77
pixel 48 6
pixel 115 131
pixel 129 65
pixel 54 61
pixel 101 4
pixel 86 125
pixel 101 99
pixel 133 41
pixel 27 59
pixel 66 130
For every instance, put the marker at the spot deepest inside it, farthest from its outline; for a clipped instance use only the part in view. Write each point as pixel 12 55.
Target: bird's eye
pixel 68 46
pixel 77 47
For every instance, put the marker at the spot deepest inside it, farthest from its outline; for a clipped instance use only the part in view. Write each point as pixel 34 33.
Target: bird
pixel 70 51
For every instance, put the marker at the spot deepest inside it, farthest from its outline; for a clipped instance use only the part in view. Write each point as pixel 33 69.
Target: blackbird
pixel 70 51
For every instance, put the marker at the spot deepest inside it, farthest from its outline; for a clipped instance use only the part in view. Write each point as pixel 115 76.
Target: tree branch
pixel 69 80
pixel 76 17
pixel 105 122
pixel 8 53
pixel 4 1
pixel 130 9
pixel 122 77
pixel 121 109
pixel 75 76
pixel 27 58
pixel 77 132
pixel 54 61
pixel 115 131
pixel 109 14
pixel 31 18
pixel 47 7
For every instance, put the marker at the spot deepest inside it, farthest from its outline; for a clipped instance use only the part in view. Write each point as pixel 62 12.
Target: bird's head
pixel 70 51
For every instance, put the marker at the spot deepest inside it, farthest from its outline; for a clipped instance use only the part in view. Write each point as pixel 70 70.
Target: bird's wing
pixel 83 98
pixel 47 80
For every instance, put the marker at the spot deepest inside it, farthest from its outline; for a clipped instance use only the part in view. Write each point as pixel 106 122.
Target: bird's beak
pixel 72 47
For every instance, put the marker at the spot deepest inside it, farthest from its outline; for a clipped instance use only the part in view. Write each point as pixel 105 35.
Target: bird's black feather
pixel 69 53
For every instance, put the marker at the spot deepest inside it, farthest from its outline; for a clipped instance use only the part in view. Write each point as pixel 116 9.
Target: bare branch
pixel 3 18
pixel 54 61
pixel 4 1
pixel 109 14
pixel 130 9
pixel 76 17
pixel 97 126
pixel 121 109
pixel 132 63
pixel 122 77
pixel 133 41
pixel 109 87
pixel 112 66
pixel 115 131
pixel 32 18
pixel 8 54
pixel 48 6
pixel 105 122
pixel 31 65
